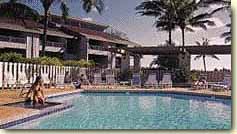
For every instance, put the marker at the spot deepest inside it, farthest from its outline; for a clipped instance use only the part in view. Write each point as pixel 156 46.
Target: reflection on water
pixel 139 111
pixel 147 103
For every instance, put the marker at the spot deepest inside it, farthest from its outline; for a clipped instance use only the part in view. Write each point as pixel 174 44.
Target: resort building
pixel 71 39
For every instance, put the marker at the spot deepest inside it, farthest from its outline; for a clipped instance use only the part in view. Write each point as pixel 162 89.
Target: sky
pixel 121 15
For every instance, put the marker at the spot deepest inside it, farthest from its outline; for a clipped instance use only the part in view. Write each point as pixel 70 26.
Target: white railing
pixel 55 44
pixel 12 39
pixel 12 74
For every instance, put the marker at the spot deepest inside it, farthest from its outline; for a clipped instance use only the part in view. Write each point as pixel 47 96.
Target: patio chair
pixel 166 81
pixel 151 81
pixel 136 80
pixel 97 79
pixel 110 79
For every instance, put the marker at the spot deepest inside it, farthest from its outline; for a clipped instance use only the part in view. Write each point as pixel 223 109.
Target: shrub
pixel 14 57
pixel 80 63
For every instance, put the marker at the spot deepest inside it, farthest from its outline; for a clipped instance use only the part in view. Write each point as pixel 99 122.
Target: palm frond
pixel 65 10
pixel 197 57
pixel 225 34
pixel 189 29
pixel 198 43
pixel 200 17
pixel 214 57
pixel 228 39
pixel 88 5
pixel 18 10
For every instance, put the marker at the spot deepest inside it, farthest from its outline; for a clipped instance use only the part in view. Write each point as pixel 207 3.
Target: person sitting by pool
pixel 37 92
pixel 201 83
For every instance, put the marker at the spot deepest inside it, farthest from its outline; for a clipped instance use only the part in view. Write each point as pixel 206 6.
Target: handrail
pixel 55 44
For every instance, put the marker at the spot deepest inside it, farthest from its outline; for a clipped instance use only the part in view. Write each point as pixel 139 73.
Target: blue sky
pixel 121 15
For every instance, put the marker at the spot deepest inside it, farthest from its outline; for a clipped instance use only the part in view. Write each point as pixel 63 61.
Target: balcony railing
pixel 12 39
pixel 55 44
pixel 101 48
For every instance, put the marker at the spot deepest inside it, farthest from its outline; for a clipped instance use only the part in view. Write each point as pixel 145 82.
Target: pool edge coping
pixel 158 91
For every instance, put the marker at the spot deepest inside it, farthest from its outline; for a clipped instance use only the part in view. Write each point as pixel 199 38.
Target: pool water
pixel 137 111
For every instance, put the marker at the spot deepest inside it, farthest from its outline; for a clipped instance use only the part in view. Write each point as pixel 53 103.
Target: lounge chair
pixel 136 80
pixel 110 79
pixel 60 81
pixel 23 81
pixel 151 81
pixel 166 81
pixel 225 84
pixel 97 79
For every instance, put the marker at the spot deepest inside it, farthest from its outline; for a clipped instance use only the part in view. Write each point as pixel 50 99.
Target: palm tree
pixel 224 5
pixel 205 43
pixel 18 10
pixel 187 17
pixel 87 5
pixel 227 35
pixel 163 11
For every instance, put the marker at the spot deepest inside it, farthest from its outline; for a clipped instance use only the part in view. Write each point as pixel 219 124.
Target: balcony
pixel 95 47
pixel 12 42
pixel 12 39
pixel 55 44
pixel 97 50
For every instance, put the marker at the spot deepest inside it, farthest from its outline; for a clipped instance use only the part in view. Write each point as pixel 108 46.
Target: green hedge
pixel 14 57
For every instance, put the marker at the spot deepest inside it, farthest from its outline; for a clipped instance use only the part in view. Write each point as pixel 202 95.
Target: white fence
pixel 12 74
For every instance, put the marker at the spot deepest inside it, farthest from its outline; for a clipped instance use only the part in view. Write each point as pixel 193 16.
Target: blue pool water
pixel 137 111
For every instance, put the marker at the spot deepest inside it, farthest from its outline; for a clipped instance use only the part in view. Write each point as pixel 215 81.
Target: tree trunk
pixel 183 40
pixel 170 37
pixel 204 63
pixel 44 43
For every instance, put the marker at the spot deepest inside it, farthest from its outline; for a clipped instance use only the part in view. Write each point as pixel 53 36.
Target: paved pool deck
pixel 9 113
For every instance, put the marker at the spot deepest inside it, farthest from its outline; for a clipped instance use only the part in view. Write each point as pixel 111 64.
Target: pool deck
pixel 9 113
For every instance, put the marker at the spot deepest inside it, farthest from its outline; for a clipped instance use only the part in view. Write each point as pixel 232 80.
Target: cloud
pixel 88 19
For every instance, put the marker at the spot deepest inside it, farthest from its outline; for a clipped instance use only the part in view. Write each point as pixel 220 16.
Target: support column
pixel 185 64
pixel 36 46
pixel 32 46
pixel 29 45
pixel 137 63
pixel 111 60
pixel 83 48
pixel 125 62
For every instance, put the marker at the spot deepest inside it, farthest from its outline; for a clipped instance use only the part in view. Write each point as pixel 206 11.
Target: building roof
pixel 101 36
pixel 103 26
pixel 29 27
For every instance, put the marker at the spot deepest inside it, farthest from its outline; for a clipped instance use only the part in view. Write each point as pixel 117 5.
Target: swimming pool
pixel 137 111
